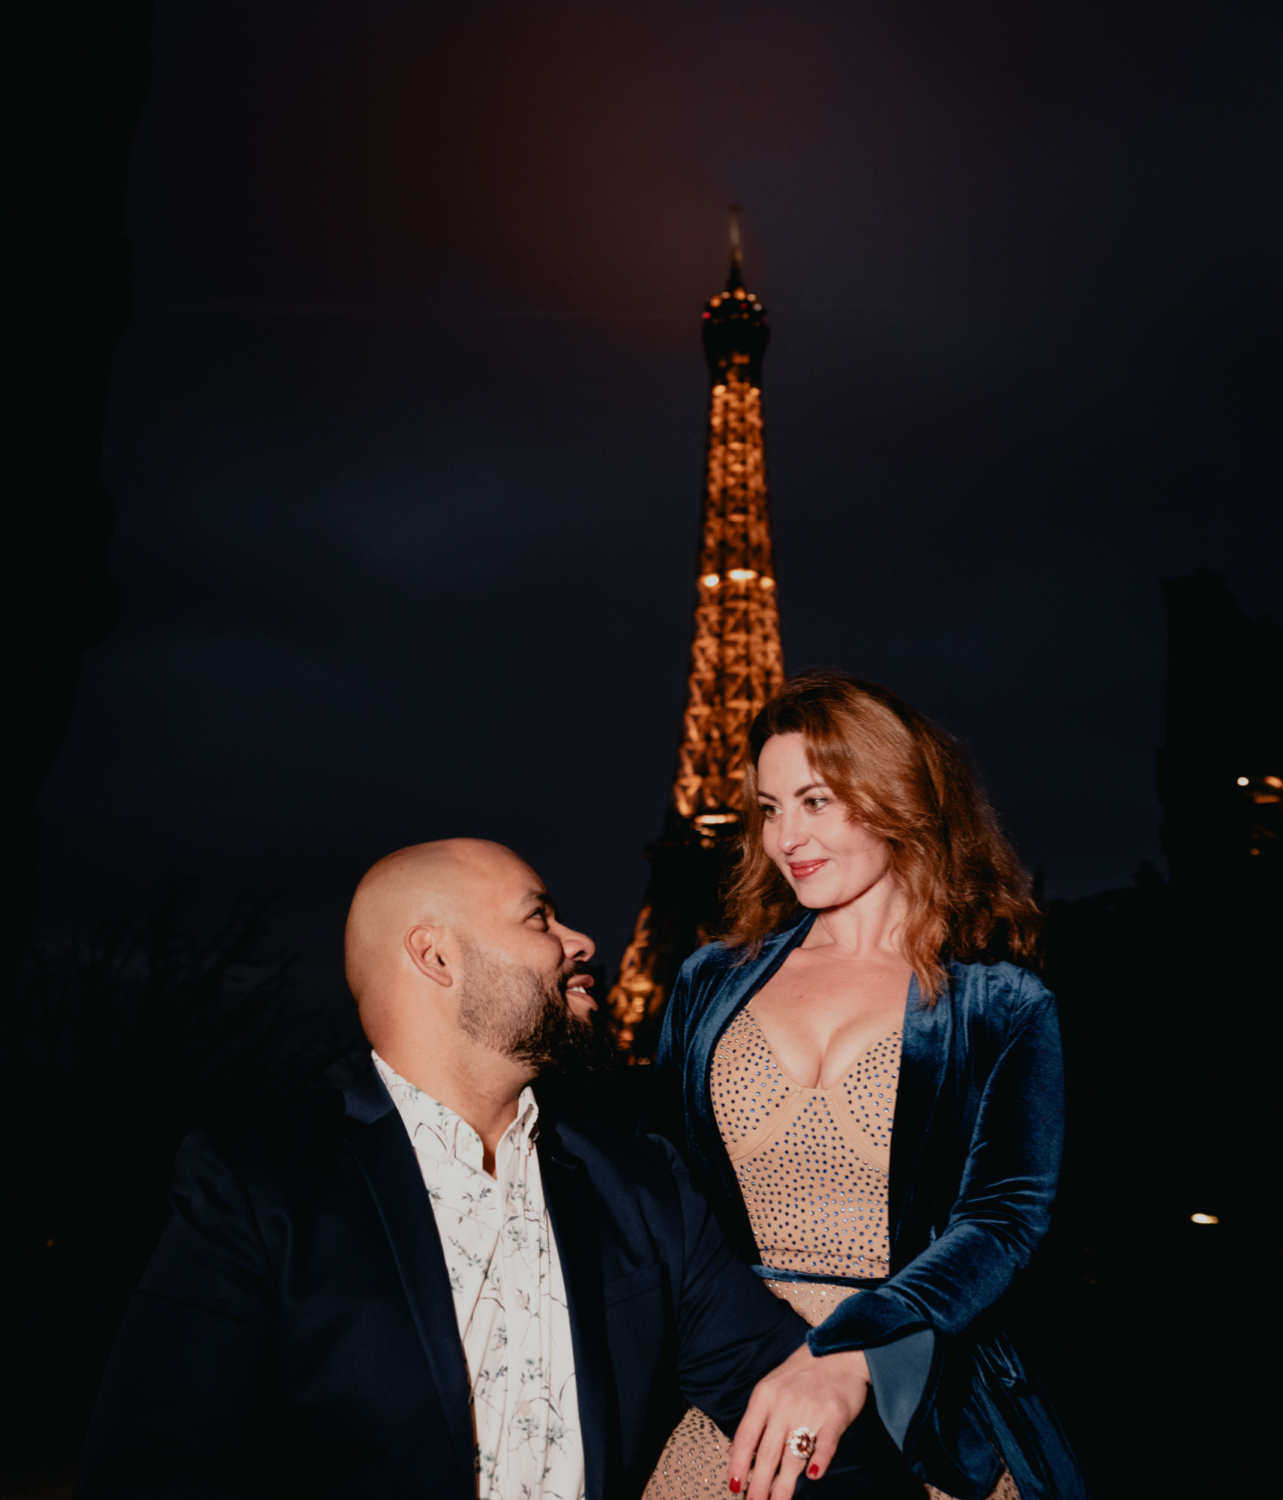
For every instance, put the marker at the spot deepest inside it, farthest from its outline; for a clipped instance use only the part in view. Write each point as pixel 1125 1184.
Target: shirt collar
pixel 436 1127
pixel 526 1125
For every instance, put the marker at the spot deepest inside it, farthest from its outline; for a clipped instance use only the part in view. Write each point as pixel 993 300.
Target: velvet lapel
pixel 734 988
pixel 721 989
pixel 572 1212
pixel 927 1037
pixel 382 1149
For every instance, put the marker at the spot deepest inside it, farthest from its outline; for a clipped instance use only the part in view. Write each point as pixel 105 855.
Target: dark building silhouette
pixel 75 81
pixel 1169 992
pixel 1220 774
pixel 75 76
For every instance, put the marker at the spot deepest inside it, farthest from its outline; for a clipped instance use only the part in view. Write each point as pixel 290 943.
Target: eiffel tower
pixel 735 666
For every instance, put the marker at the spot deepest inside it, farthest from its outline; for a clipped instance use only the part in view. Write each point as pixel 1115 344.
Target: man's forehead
pixel 513 882
pixel 531 891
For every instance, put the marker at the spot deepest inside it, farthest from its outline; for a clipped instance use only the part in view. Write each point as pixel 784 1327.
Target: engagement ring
pixel 801 1442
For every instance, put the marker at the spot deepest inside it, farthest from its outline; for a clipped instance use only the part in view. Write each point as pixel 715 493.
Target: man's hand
pixel 825 1395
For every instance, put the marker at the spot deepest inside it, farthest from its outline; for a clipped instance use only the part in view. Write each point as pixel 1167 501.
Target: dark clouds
pixel 405 436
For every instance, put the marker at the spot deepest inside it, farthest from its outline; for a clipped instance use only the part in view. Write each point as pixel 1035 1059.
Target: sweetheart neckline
pixel 797 1084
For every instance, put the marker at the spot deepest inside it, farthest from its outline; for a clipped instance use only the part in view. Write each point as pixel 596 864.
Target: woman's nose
pixel 790 839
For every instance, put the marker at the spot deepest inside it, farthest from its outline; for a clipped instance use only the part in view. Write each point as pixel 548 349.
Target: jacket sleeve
pixel 182 1386
pixel 1001 1212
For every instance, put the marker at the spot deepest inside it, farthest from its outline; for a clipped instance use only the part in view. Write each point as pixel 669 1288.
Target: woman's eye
pixel 769 812
pixel 816 803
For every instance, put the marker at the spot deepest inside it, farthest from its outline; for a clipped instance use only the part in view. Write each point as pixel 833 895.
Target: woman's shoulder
pixel 705 975
pixel 699 981
pixel 717 961
pixel 1002 990
pixel 711 959
pixel 712 980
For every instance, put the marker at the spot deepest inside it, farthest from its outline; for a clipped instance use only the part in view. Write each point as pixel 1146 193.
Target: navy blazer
pixel 975 1153
pixel 313 1248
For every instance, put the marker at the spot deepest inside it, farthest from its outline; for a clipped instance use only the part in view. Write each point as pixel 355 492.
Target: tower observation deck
pixel 735 666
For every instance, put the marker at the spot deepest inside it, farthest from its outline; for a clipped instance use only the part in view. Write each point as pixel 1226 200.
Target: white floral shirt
pixel 508 1294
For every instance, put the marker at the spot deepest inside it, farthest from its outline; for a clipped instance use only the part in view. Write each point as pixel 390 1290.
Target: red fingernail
pixel 814 1471
pixel 735 1486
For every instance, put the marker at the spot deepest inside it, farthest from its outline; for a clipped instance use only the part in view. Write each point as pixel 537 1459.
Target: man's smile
pixel 578 986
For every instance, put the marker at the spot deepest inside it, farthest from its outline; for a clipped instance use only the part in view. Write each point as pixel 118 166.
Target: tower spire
pixel 736 664
pixel 736 277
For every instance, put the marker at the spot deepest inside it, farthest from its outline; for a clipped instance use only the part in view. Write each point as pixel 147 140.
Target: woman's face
pixel 828 859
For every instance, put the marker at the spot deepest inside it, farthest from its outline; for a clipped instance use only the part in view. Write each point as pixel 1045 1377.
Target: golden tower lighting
pixel 735 666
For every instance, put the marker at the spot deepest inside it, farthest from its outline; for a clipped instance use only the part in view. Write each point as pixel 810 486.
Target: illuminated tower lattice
pixel 735 665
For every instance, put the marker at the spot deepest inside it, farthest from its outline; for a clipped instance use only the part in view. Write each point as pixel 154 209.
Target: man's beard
pixel 519 1014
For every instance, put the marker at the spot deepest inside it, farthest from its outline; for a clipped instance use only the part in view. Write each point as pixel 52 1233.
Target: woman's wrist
pixel 853 1359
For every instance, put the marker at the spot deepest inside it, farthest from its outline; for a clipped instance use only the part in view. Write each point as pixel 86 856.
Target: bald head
pixel 467 984
pixel 450 884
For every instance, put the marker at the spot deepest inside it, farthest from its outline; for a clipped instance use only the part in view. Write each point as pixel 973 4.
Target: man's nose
pixel 575 945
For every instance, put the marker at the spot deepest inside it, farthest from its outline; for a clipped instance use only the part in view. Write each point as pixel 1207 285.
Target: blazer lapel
pixel 382 1149
pixel 731 992
pixel 924 1056
pixel 572 1212
pixel 728 991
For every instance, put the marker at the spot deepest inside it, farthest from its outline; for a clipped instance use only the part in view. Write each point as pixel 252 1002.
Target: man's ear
pixel 431 955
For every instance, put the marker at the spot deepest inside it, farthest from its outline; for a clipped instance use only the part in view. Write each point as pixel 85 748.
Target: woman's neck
pixel 868 926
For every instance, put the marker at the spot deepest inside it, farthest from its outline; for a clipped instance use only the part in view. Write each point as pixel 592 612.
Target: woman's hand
pixel 825 1395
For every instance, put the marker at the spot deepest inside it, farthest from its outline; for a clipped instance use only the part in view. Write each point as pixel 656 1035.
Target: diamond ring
pixel 801 1442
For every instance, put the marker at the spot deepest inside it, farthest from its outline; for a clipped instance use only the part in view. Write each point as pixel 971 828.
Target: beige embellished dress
pixel 813 1167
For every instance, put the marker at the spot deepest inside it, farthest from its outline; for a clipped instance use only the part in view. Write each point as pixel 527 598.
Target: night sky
pixel 406 431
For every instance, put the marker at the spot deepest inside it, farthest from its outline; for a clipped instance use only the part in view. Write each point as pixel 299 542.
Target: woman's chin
pixel 814 898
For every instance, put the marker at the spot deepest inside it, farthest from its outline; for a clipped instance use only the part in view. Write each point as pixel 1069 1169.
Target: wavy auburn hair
pixel 907 781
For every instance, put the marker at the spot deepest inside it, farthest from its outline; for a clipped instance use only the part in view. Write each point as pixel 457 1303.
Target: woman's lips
pixel 805 867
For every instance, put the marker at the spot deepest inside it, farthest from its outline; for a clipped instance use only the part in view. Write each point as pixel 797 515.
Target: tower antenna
pixel 736 277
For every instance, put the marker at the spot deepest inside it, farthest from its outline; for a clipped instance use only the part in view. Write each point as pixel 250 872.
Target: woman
pixel 872 1099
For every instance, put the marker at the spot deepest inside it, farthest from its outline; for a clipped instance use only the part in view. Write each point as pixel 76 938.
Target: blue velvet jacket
pixel 975 1151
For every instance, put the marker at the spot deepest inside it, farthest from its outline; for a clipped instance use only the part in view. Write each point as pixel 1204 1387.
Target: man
pixel 454 1297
